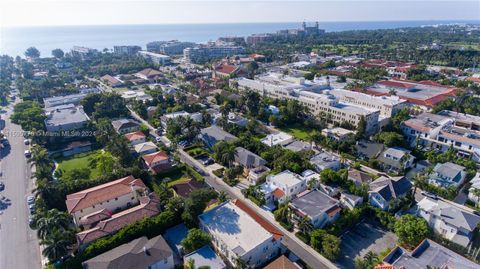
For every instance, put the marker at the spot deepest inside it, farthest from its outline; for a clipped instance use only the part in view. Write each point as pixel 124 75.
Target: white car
pixel 30 200
pixel 28 153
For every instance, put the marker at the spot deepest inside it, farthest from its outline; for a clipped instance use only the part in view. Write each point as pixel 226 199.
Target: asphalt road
pixel 19 247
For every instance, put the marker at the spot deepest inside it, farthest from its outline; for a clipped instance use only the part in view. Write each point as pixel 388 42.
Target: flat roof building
pixel 65 118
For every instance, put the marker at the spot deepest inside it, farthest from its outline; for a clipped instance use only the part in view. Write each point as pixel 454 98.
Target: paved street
pixel 19 247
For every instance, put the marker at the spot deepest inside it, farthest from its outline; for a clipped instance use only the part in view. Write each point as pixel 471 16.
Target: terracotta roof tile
pixel 89 197
pixel 134 135
pixel 278 193
pixel 281 262
pixel 154 157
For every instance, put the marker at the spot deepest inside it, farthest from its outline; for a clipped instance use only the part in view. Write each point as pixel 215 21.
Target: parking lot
pixel 362 238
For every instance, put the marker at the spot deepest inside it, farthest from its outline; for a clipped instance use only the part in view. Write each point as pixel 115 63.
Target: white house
pixel 448 219
pixel 240 233
pixel 317 206
pixel 396 159
pixel 279 138
pixel 447 174
pixel 136 138
pixel 474 191
pixel 283 186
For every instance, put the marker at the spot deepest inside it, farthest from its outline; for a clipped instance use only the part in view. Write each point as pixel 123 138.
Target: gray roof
pixel 65 115
pixel 213 134
pixel 247 158
pixel 314 203
pixel 297 146
pixel 448 169
pixel 123 124
pixel 205 256
pixel 428 253
pixel 325 160
pixel 369 149
pixel 389 188
pixel 137 254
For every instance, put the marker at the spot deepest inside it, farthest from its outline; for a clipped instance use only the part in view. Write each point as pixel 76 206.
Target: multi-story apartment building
pixel 209 52
pixel 73 99
pixel 388 105
pixel 239 233
pixel 259 38
pixel 444 130
pixel 172 47
pixel 129 50
pixel 314 95
pixel 82 52
pixel 156 58
pixel 65 118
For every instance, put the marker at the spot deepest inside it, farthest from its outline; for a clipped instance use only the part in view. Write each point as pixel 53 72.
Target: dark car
pixel 2 186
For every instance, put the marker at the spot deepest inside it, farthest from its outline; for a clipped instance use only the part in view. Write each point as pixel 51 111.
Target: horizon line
pixel 253 22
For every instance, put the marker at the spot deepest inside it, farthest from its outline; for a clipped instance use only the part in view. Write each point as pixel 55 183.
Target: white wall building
pixel 283 186
pixel 239 233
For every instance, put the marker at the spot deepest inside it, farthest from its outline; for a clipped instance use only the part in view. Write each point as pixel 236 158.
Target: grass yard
pixel 78 161
pixel 298 131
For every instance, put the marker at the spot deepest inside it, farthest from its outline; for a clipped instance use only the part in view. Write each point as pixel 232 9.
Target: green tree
pixel 224 153
pixel 57 244
pixel 58 53
pixel 32 52
pixel 411 230
pixel 50 221
pixel 195 239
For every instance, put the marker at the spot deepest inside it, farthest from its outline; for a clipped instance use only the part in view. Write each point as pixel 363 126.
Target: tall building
pixel 232 39
pixel 129 50
pixel 172 47
pixel 155 57
pixel 82 52
pixel 209 52
pixel 258 38
pixel 314 95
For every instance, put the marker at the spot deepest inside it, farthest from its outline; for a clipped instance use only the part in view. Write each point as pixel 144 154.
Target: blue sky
pixel 89 12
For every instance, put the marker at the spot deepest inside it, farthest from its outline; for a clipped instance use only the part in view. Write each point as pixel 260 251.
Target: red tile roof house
pixel 135 137
pixel 149 74
pixel 157 162
pixel 99 202
pixel 149 206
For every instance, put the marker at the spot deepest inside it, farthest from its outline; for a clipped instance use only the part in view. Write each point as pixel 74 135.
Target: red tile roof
pixel 150 72
pixel 148 207
pixel 278 193
pixel 226 69
pixel 281 262
pixel 154 157
pixel 134 135
pixel 333 211
pixel 277 234
pixel 108 191
pixel 185 188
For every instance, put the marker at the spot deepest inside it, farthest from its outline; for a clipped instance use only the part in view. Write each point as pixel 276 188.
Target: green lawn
pixel 298 131
pixel 78 161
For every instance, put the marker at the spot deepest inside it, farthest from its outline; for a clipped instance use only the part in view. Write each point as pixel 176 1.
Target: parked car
pixel 26 141
pixel 2 186
pixel 28 153
pixel 30 200
pixel 429 195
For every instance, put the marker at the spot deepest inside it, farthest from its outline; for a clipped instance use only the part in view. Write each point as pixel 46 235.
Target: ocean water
pixel 14 40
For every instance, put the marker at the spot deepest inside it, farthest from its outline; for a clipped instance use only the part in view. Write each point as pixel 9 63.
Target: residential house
pixel 112 196
pixel 184 188
pixel 428 254
pixel 157 162
pixel 171 116
pixel 213 134
pixel 149 74
pixel 396 159
pixel 283 186
pixel 279 138
pixel 65 118
pixel 71 99
pixel 448 219
pixel 141 253
pixel 358 177
pixel 112 81
pixel 474 190
pixel 123 126
pixel 239 233
pixel 368 150
pixel 255 174
pixel 148 207
pixel 325 160
pixel 317 206
pixel 298 146
pixel 248 159
pixel 145 148
pixel 350 201
pixel 338 134
pixel 205 257
pixel 385 191
pixel 282 262
pixel 236 119
pixel 447 174
pixel 136 138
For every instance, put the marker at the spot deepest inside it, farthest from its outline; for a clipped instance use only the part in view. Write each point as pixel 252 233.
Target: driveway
pixel 362 238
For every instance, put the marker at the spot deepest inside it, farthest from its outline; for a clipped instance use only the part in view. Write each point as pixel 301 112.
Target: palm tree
pixel 222 196
pixel 304 225
pixel 52 220
pixel 57 244
pixel 190 264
